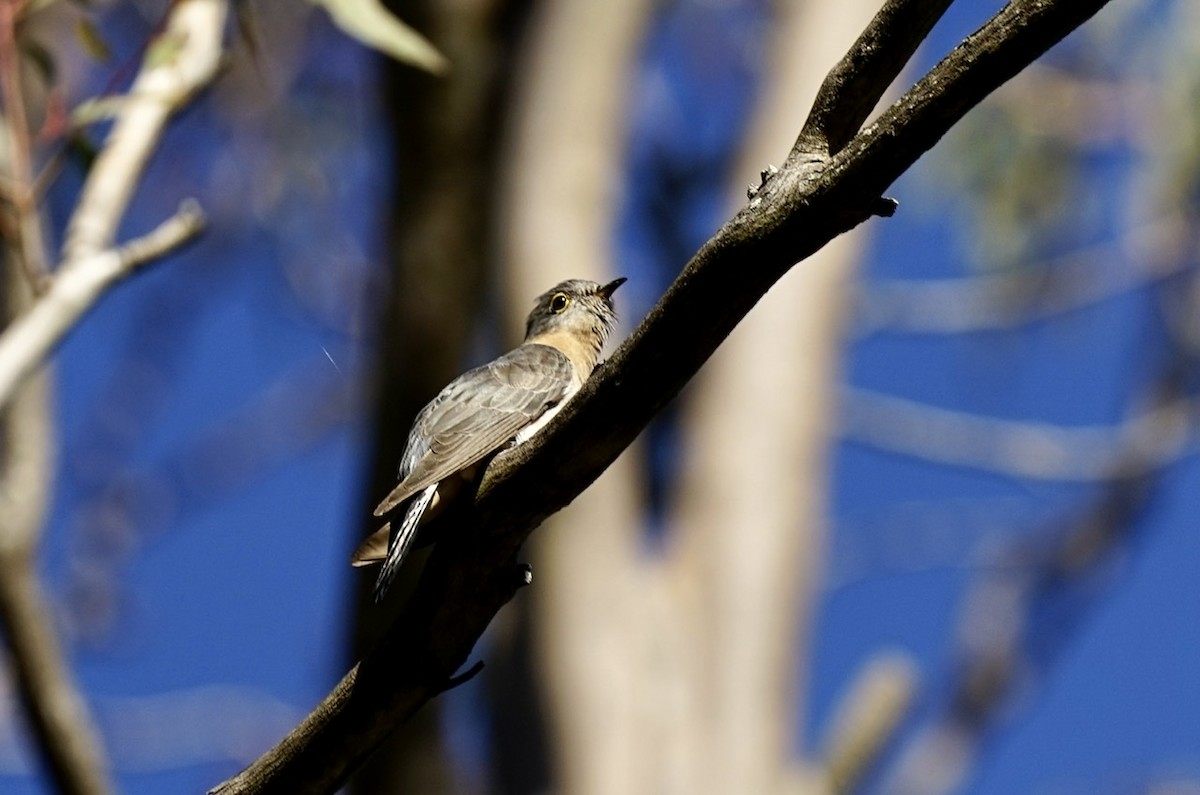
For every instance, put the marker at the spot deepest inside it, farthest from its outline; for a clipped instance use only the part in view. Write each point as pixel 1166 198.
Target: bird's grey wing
pixel 478 412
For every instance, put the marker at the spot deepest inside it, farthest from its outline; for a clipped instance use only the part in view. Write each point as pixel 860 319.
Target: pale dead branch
pixel 181 61
pixel 178 63
pixel 66 741
pixel 75 288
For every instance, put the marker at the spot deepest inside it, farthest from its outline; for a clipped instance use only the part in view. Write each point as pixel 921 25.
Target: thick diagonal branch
pixel 471 574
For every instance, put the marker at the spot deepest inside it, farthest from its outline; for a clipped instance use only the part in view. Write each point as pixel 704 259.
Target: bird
pixel 505 401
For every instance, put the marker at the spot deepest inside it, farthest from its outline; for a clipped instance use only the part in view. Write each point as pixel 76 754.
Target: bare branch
pixel 856 84
pixel 66 739
pixel 1003 613
pixel 81 282
pixel 180 61
pixel 1032 450
pixel 470 574
pixel 1014 37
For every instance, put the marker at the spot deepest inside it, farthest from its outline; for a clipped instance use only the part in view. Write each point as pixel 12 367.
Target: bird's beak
pixel 607 290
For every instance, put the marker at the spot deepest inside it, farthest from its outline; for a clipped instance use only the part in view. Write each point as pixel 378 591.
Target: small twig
pixel 56 160
pixel 171 234
pixel 1142 257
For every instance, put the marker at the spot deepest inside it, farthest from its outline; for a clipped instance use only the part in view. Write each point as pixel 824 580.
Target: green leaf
pixel 372 24
pixel 93 43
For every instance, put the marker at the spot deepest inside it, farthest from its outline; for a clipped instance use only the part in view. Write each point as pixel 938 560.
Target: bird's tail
pixel 402 539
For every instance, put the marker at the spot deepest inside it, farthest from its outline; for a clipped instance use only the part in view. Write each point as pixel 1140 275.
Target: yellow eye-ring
pixel 559 303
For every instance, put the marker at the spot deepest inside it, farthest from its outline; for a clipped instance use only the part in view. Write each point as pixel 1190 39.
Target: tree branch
pixel 58 718
pixel 66 737
pixel 1019 33
pixel 179 62
pixel 470 574
pixel 57 714
pixel 79 284
pixel 853 87
pixel 867 717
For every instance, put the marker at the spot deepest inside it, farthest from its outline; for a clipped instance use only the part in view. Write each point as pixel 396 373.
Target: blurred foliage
pixel 1016 183
pixel 1176 139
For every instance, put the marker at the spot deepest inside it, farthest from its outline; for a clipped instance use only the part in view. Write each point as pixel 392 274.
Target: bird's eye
pixel 559 302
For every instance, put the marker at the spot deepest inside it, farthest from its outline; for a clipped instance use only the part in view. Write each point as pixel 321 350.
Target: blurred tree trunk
pixel 748 523
pixel 676 675
pixel 561 178
pixel 446 132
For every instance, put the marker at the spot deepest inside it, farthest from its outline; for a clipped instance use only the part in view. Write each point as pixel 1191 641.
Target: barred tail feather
pixel 402 539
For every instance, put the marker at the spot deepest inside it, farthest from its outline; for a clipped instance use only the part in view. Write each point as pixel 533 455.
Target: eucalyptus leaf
pixel 373 25
pixel 92 40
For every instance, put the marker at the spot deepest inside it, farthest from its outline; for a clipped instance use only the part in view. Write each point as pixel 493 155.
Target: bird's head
pixel 578 307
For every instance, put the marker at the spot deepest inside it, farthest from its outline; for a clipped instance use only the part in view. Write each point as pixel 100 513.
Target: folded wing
pixel 479 412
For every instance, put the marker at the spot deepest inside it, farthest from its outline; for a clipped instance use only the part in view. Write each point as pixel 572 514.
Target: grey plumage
pixel 481 411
